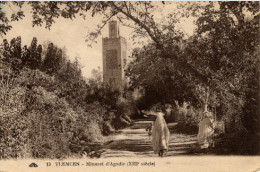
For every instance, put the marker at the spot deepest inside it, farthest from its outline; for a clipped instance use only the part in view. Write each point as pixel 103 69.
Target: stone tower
pixel 114 56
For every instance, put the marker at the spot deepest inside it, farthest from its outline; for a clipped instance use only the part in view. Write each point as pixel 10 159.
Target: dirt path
pixel 135 142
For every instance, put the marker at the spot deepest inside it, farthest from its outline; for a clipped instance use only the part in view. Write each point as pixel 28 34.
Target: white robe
pixel 205 132
pixel 160 134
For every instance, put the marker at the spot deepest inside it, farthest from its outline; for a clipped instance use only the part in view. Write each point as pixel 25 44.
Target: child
pixel 149 129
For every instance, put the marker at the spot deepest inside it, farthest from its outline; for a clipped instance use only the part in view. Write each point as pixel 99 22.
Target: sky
pixel 71 34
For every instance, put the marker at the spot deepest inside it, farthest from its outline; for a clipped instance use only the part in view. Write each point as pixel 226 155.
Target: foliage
pixel 220 66
pixel 53 59
pixel 102 93
pixel 229 56
pixel 26 57
pixel 139 13
pixel 159 77
pixel 216 67
pixel 41 116
pixel 12 124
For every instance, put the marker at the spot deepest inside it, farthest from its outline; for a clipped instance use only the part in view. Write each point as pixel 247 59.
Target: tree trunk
pixel 207 99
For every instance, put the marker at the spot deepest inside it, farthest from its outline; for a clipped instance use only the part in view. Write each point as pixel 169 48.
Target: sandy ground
pixel 134 141
pixel 132 147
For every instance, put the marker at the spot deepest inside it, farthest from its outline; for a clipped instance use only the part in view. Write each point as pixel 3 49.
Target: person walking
pixel 206 131
pixel 160 134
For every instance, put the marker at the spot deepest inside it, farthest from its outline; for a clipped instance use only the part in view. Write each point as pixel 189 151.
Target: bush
pixel 13 125
pixel 188 115
pixel 35 122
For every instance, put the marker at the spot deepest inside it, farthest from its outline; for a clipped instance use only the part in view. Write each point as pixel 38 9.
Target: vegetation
pixel 216 68
pixel 48 110
pixel 44 112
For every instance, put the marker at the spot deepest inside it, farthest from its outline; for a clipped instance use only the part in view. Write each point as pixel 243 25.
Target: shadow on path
pixel 135 142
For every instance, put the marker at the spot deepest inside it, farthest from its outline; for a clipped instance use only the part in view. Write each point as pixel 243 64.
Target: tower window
pixel 112 27
pixel 111 59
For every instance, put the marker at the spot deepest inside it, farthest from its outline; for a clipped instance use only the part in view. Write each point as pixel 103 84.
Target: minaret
pixel 114 56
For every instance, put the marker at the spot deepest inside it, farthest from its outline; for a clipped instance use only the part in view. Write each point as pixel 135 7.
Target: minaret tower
pixel 114 56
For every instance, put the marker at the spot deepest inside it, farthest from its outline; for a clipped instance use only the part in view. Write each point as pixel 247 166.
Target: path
pixel 135 142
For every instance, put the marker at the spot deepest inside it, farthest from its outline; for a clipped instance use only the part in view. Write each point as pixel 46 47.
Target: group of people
pixel 161 134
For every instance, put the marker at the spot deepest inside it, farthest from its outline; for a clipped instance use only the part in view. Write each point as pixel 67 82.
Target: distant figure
pixel 206 131
pixel 160 134
pixel 107 125
pixel 149 129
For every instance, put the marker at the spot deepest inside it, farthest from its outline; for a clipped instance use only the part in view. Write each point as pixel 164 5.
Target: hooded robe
pixel 206 131
pixel 160 134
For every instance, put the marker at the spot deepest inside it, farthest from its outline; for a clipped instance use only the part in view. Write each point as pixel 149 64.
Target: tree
pixel 38 56
pixel 226 48
pixel 160 79
pixel 140 16
pixel 96 80
pixel 25 55
pixel 6 49
pixel 12 52
pixel 222 52
pixel 140 13
pixel 34 58
pixel 218 66
pixel 18 57
pixel 53 59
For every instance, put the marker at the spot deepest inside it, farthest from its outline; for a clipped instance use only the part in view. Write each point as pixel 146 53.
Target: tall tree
pixel 53 59
pixel 221 51
pixel 49 58
pixel 25 55
pixel 12 52
pixel 38 56
pixel 35 59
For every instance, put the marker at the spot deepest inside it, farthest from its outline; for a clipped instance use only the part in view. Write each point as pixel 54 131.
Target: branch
pixel 138 22
pixel 93 35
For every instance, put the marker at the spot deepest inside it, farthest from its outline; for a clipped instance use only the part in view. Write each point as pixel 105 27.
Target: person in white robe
pixel 160 135
pixel 206 131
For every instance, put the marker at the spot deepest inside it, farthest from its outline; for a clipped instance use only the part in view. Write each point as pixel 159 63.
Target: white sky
pixel 71 34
